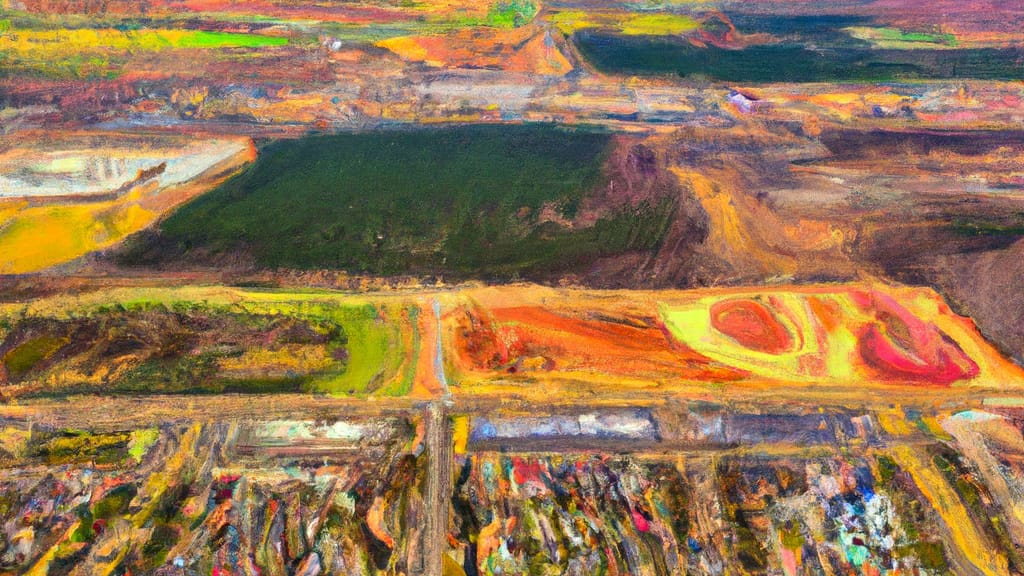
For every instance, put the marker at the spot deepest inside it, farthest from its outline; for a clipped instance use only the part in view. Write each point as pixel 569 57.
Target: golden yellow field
pixel 53 224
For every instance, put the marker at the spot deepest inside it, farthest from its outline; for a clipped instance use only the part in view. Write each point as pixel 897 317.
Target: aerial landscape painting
pixel 512 287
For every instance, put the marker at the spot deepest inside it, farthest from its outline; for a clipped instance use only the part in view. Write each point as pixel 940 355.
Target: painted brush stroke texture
pixel 463 288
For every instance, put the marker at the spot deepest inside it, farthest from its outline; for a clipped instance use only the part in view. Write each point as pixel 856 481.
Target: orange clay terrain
pixel 844 336
pixel 845 343
pixel 524 49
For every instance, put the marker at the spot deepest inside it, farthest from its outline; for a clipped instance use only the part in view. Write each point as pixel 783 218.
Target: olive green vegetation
pixel 23 357
pixel 141 441
pixel 368 345
pixel 371 347
pixel 195 375
pixel 463 201
pixel 77 446
pixel 401 387
pixel 103 52
pixel 673 498
pixel 196 372
pixel 971 227
pixel 505 14
pixel 114 503
pixel 927 549
pixel 749 551
pixel 895 35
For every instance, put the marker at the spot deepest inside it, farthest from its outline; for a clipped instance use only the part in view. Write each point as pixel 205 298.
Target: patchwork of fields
pixel 518 340
pixel 462 288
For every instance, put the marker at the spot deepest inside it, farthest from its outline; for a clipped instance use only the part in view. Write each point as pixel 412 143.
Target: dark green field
pixel 795 62
pixel 460 201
